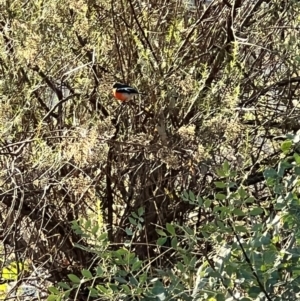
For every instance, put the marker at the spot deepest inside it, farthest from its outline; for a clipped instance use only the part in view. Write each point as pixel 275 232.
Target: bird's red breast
pixel 121 95
pixel 124 92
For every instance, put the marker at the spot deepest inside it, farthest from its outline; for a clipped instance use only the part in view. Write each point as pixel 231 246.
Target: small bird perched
pixel 124 92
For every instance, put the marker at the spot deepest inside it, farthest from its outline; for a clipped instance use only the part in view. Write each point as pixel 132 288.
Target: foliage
pixel 221 83
pixel 249 250
pixel 12 288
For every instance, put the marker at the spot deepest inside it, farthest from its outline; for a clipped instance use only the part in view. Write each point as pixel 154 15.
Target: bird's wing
pixel 127 90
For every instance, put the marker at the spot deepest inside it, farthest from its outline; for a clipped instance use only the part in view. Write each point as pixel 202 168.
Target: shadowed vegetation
pixel 222 85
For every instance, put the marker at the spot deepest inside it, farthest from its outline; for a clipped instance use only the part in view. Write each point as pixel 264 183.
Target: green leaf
pixel 192 196
pixel 297 158
pixel 87 274
pixel 74 278
pixel 159 290
pixel 161 241
pixel 103 289
pixel 136 265
pixel 200 201
pixel 250 200
pixel 53 298
pixel 128 231
pixel 219 264
pixel 141 211
pixel 95 229
pixel 67 293
pixel 180 267
pixel 133 281
pixel 88 224
pixel 121 252
pixel 282 167
pixel 257 227
pixel 223 209
pixel 192 262
pixel 238 212
pixel 256 243
pixel 220 172
pixel 220 184
pixel 297 170
pixel 242 193
pixel 188 230
pixel 207 203
pixel 134 215
pixel 160 232
pixel 231 184
pixel 114 287
pixel 120 280
pixel 220 196
pixel 99 271
pixel 256 211
pixel 245 273
pixel 170 229
pixel 103 236
pixel 286 146
pixel 126 289
pixel 221 225
pixel 64 285
pixel 220 297
pixel 93 292
pixel 254 291
pixel 132 221
pixel 143 278
pixel 240 229
pixel 53 290
pixel 226 167
pixel 185 196
pixel 174 243
pixel 270 173
pixel 265 239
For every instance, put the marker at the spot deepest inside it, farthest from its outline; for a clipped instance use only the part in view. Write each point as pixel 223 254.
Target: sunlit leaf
pixel 95 229
pixel 53 298
pixel 286 146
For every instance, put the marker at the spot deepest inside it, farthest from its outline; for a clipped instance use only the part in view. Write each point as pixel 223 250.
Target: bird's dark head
pixel 118 85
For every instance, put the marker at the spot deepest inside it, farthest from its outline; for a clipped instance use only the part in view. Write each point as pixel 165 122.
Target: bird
pixel 124 92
